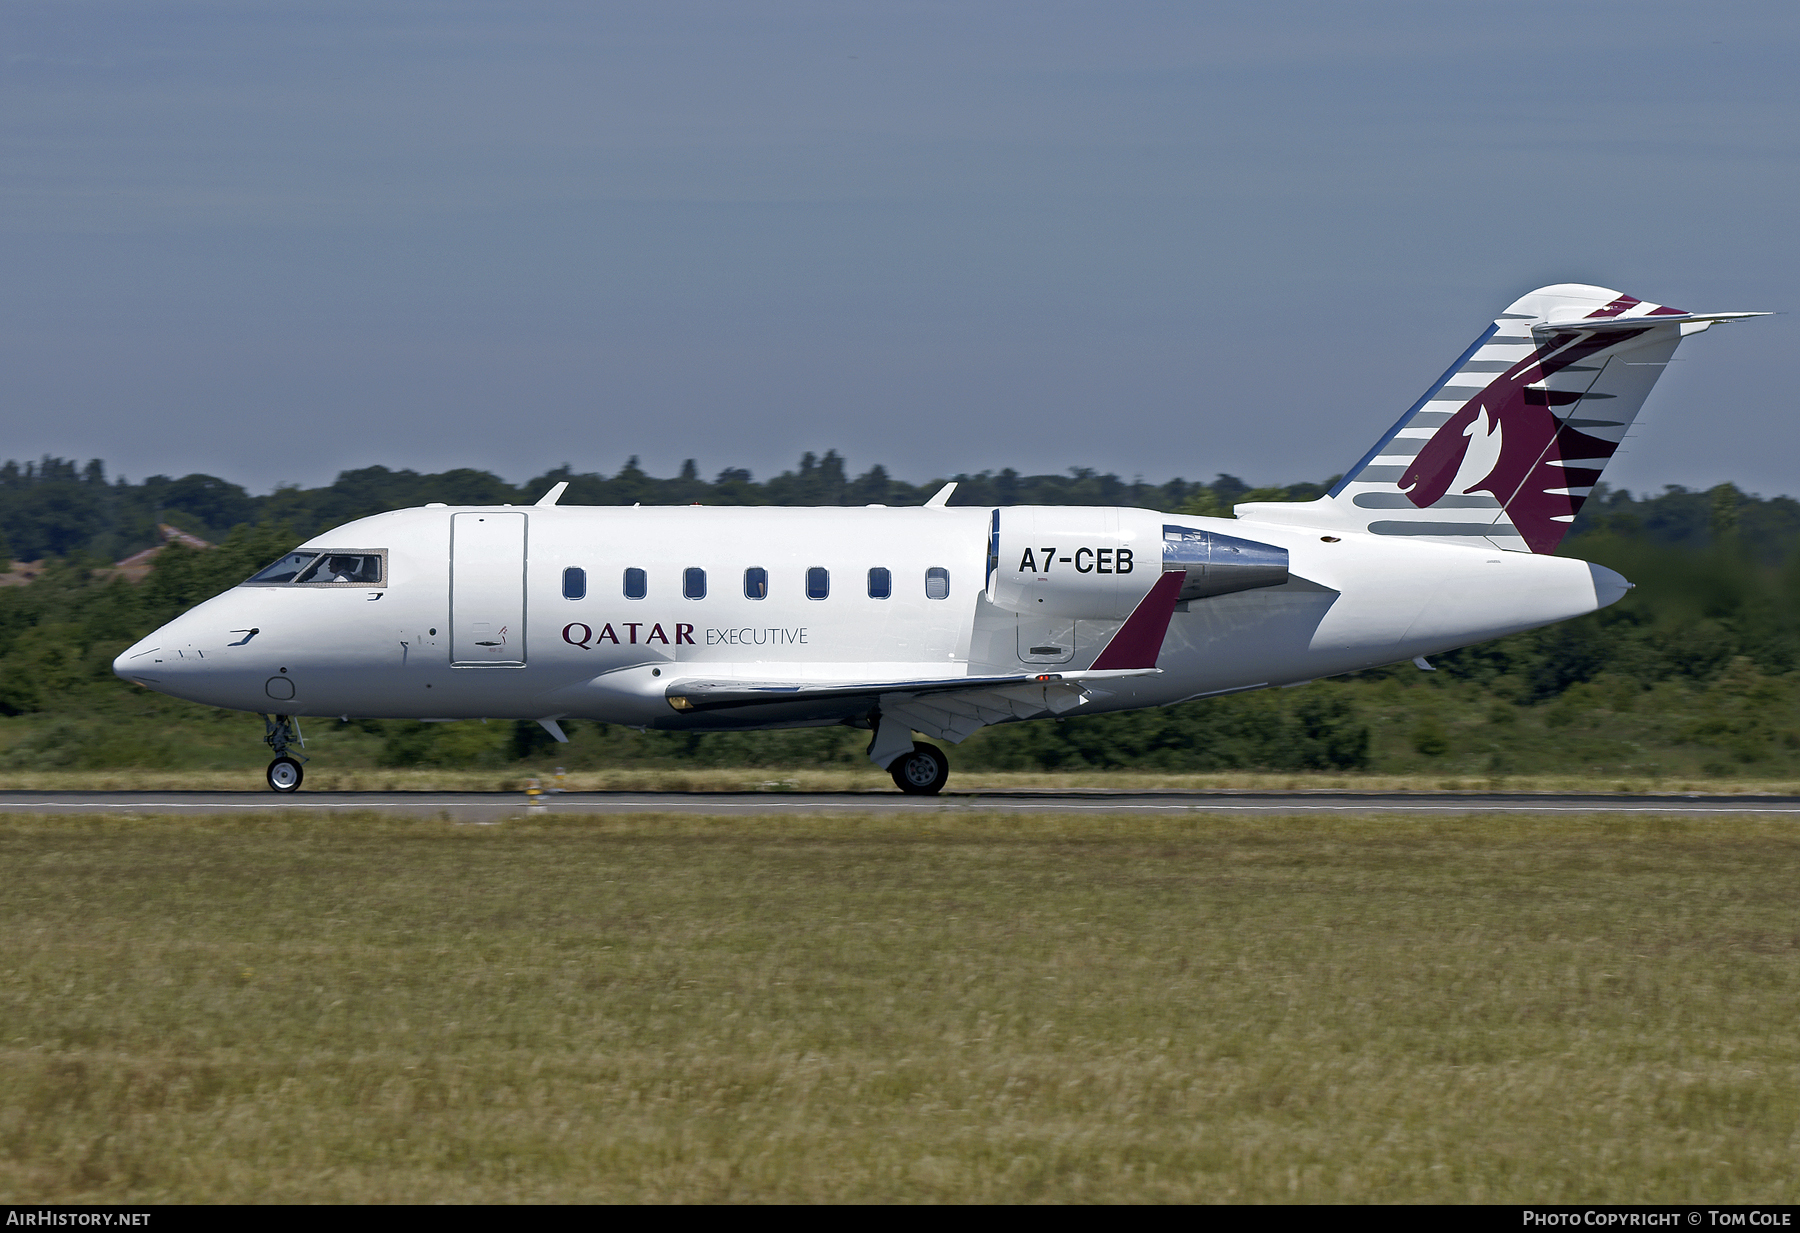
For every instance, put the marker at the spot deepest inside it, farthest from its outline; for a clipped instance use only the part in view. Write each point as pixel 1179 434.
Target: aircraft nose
pixel 141 661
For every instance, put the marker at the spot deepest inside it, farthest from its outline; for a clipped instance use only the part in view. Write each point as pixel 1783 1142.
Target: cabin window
pixel 881 583
pixel 635 587
pixel 360 567
pixel 818 582
pixel 756 583
pixel 693 583
pixel 937 583
pixel 574 583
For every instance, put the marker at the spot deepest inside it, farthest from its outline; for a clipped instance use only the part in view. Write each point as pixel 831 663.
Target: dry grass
pixel 365 1009
pixel 322 777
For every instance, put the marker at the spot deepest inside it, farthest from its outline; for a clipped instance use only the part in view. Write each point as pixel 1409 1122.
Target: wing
pixel 1014 695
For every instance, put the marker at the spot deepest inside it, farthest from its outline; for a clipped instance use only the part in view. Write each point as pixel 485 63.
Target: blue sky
pixel 271 242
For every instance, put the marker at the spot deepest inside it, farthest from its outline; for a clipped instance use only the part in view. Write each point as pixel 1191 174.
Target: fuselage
pixel 594 612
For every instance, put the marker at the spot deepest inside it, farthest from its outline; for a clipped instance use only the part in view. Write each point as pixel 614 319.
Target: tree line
pixel 55 507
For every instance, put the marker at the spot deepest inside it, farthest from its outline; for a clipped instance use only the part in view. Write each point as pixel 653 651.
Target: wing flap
pixel 698 695
pixel 954 717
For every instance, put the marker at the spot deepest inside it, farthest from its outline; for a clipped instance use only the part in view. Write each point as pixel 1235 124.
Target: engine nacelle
pixel 1097 564
pixel 1218 564
pixel 1073 561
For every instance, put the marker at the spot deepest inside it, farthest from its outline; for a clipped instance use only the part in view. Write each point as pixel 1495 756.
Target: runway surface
pixel 495 806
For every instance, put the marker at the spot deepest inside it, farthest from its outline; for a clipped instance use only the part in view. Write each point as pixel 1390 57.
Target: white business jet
pixel 942 620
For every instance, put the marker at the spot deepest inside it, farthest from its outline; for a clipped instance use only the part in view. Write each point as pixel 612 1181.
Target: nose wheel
pixel 284 775
pixel 923 772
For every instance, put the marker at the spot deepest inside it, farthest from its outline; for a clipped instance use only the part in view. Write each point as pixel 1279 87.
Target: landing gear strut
pixel 284 773
pixel 923 772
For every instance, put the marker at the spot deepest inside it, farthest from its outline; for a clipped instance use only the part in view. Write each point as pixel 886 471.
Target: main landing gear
pixel 284 773
pixel 923 772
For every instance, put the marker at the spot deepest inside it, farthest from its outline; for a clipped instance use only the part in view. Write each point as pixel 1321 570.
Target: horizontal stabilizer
pixel 1637 323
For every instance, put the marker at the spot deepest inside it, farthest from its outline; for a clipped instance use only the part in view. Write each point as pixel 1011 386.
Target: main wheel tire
pixel 284 775
pixel 923 772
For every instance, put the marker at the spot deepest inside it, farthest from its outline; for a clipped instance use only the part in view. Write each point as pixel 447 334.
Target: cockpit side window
pixel 355 567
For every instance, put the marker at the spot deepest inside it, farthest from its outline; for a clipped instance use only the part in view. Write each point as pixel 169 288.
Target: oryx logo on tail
pixel 1483 444
pixel 1510 442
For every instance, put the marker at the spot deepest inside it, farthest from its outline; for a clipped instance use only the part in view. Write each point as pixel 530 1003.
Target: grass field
pixel 943 1007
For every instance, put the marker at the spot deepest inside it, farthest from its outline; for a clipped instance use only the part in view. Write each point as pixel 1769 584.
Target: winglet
pixel 942 497
pixel 555 493
pixel 1139 641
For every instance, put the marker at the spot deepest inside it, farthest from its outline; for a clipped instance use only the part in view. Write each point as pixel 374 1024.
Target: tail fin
pixel 1505 448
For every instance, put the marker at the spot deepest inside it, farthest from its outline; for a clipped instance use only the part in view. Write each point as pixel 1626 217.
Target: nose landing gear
pixel 284 773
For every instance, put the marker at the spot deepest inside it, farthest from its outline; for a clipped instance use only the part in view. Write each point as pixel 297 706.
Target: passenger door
pixel 487 590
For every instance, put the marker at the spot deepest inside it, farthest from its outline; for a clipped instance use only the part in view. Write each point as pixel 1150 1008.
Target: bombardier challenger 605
pixel 941 620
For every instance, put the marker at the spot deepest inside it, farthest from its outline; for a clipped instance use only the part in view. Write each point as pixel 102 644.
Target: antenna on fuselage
pixel 555 493
pixel 942 498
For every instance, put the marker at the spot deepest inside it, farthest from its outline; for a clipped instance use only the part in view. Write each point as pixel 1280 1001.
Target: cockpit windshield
pixel 359 568
pixel 284 570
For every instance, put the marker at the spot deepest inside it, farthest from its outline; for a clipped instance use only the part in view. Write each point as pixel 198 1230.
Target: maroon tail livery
pixel 1504 449
pixel 1542 466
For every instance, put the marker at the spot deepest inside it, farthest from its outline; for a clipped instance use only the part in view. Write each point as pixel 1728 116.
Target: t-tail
pixel 1506 447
